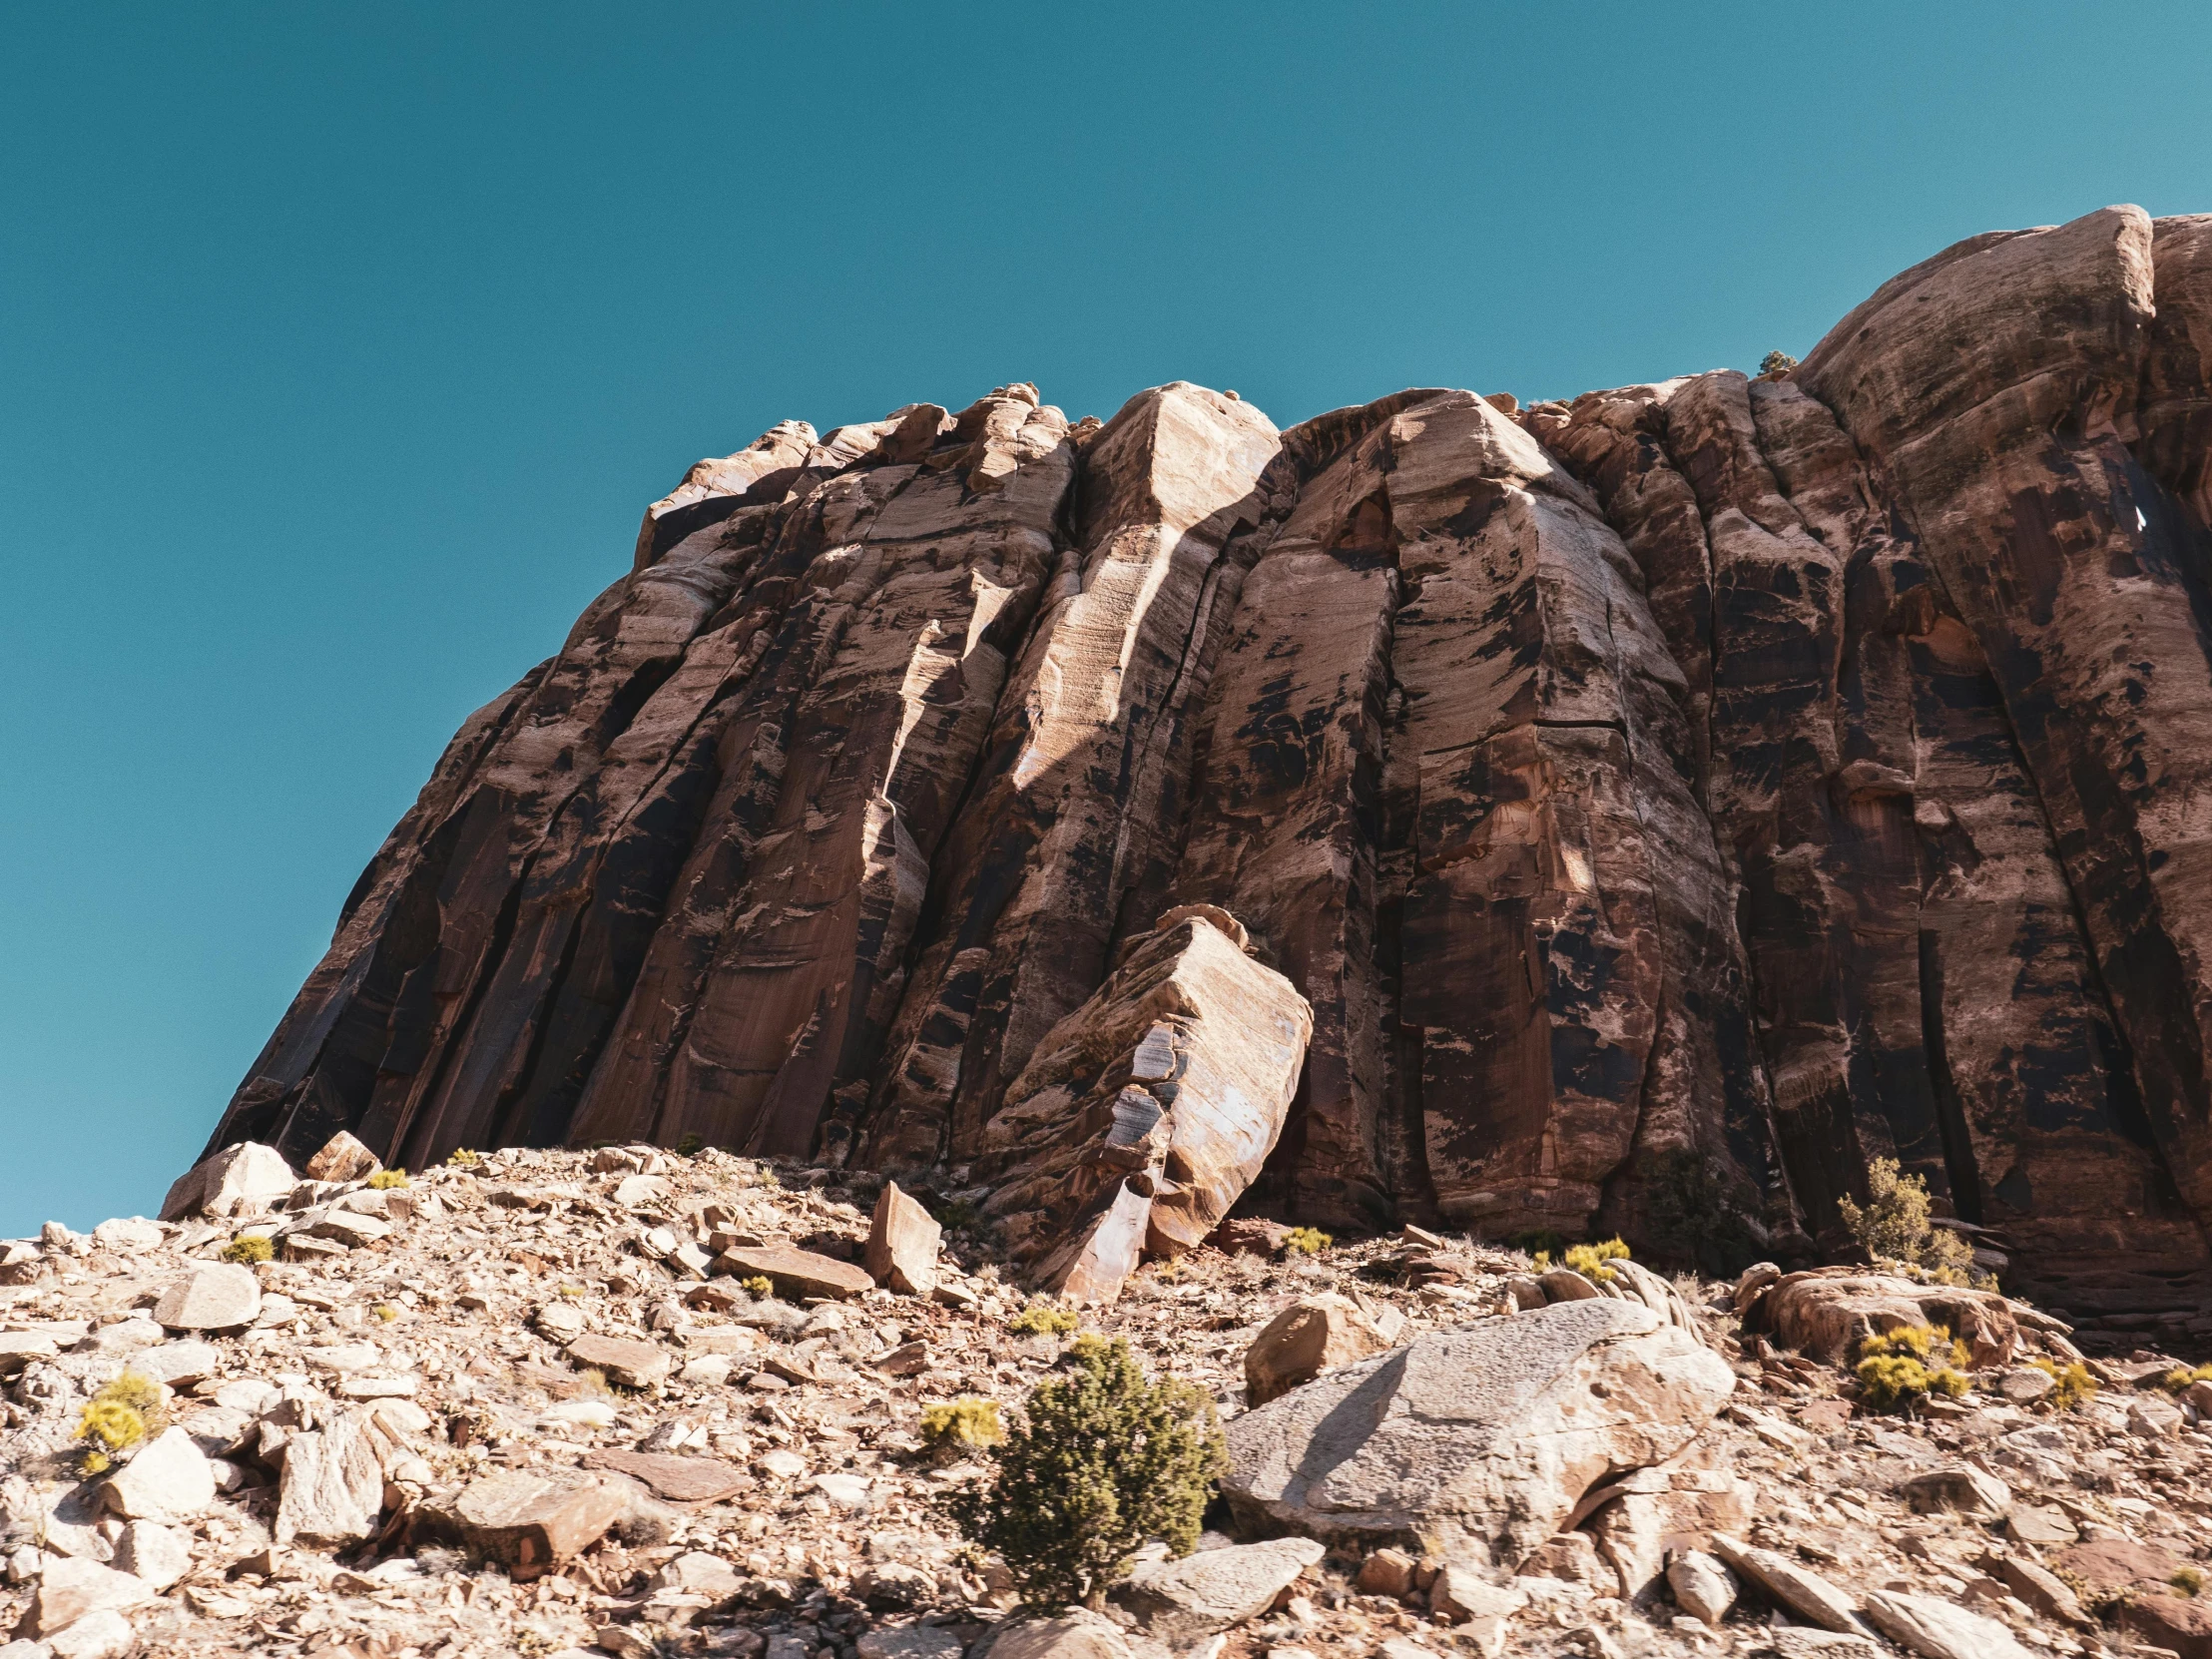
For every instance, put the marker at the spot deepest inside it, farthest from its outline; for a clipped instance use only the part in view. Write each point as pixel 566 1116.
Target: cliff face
pixel 1665 802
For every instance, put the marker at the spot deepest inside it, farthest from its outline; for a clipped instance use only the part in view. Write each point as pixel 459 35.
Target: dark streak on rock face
pixel 1770 775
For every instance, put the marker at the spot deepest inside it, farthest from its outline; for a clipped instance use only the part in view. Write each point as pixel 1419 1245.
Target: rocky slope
pixel 528 1407
pixel 1656 807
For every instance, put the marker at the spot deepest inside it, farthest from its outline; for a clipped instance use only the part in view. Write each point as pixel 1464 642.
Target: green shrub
pixel 248 1249
pixel 386 1179
pixel 1696 1213
pixel 963 1425
pixel 1893 1227
pixel 758 1285
pixel 1041 1319
pixel 1776 362
pixel 2074 1389
pixel 957 1215
pixel 2176 1381
pixel 1589 1260
pixel 463 1158
pixel 1102 1460
pixel 1306 1240
pixel 123 1415
pixel 1896 1371
pixel 1544 1243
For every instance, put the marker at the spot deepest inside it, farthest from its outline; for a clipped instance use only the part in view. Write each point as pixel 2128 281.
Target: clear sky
pixel 342 346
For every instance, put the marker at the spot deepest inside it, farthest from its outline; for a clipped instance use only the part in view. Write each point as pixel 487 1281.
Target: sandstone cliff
pixel 1665 802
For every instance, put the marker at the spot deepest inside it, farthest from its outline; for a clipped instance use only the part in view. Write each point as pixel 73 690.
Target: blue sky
pixel 341 347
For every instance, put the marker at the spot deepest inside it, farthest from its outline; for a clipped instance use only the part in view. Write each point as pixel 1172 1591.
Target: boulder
pixel 1827 1311
pixel 1641 1520
pixel 1180 1601
pixel 1798 1589
pixel 333 1484
pixel 795 1273
pixel 70 1587
pixel 902 1244
pixel 676 1480
pixel 219 1297
pixel 1939 1629
pixel 1702 1586
pixel 19 1348
pixel 622 1360
pixel 531 1521
pixel 169 1481
pixel 105 1634
pixel 342 1159
pixel 244 1179
pixel 1958 1489
pixel 128 1235
pixel 1144 1114
pixel 1312 1335
pixel 1075 1634
pixel 1480 1609
pixel 1475 1443
pixel 154 1554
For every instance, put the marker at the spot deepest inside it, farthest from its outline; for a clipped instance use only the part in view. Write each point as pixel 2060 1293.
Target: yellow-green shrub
pixel 1306 1240
pixel 1041 1319
pixel 121 1415
pixel 1102 1460
pixel 2074 1387
pixel 2177 1379
pixel 758 1285
pixel 1589 1258
pixel 386 1179
pixel 249 1249
pixel 1894 1228
pixel 1896 1371
pixel 963 1425
pixel 463 1158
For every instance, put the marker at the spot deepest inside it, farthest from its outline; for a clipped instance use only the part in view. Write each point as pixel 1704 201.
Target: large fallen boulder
pixel 244 1179
pixel 1143 1115
pixel 1477 1443
pixel 1827 1311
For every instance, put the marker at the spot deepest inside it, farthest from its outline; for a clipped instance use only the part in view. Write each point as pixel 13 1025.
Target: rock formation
pixel 1665 802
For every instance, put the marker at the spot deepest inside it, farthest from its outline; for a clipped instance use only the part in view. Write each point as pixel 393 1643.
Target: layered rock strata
pixel 1665 802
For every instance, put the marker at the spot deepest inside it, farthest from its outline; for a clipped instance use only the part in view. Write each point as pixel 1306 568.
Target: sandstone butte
pixel 1677 797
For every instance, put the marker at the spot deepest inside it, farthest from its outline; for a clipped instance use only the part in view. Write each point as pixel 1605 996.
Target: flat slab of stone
pixel 795 1273
pixel 70 1587
pixel 169 1481
pixel 1938 1629
pixel 676 1479
pixel 1216 1588
pixel 626 1361
pixel 902 1244
pixel 342 1158
pixel 219 1297
pixel 1475 1443
pixel 19 1348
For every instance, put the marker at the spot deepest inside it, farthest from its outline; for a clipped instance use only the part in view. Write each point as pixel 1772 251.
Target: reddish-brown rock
pixel 1665 802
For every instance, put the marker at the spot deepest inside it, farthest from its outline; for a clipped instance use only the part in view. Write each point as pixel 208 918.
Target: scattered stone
pixel 678 1480
pixel 1798 1589
pixel 1827 1312
pixel 219 1297
pixel 532 1520
pixel 70 1588
pixel 902 1244
pixel 105 1634
pixel 1387 1572
pixel 2025 1386
pixel 19 1348
pixel 1958 1490
pixel 911 1641
pixel 1311 1335
pixel 1937 1630
pixel 154 1554
pixel 2154 1417
pixel 1482 1610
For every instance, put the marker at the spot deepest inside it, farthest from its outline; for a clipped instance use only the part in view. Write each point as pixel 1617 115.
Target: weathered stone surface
pixel 1216 1588
pixel 1475 1443
pixel 105 1634
pixel 1076 1634
pixel 333 1484
pixel 245 1177
pixel 902 1243
pixel 1706 787
pixel 1703 1588
pixel 1143 1115
pixel 1937 1630
pixel 533 1521
pixel 1828 1311
pixel 219 1297
pixel 795 1273
pixel 625 1360
pixel 1639 1521
pixel 70 1587
pixel 1958 1490
pixel 342 1158
pixel 678 1480
pixel 168 1480
pixel 1311 1335
pixel 154 1554
pixel 1801 1590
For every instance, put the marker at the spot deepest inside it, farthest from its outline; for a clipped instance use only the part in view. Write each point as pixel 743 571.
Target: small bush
pixel 1306 1240
pixel 1546 1243
pixel 963 1425
pixel 1102 1460
pixel 2188 1580
pixel 2178 1380
pixel 1041 1319
pixel 957 1215
pixel 1696 1213
pixel 1895 1370
pixel 690 1146
pixel 2076 1387
pixel 123 1415
pixel 463 1158
pixel 1894 1228
pixel 1589 1260
pixel 387 1312
pixel 591 1384
pixel 758 1285
pixel 1776 362
pixel 249 1249
pixel 385 1179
